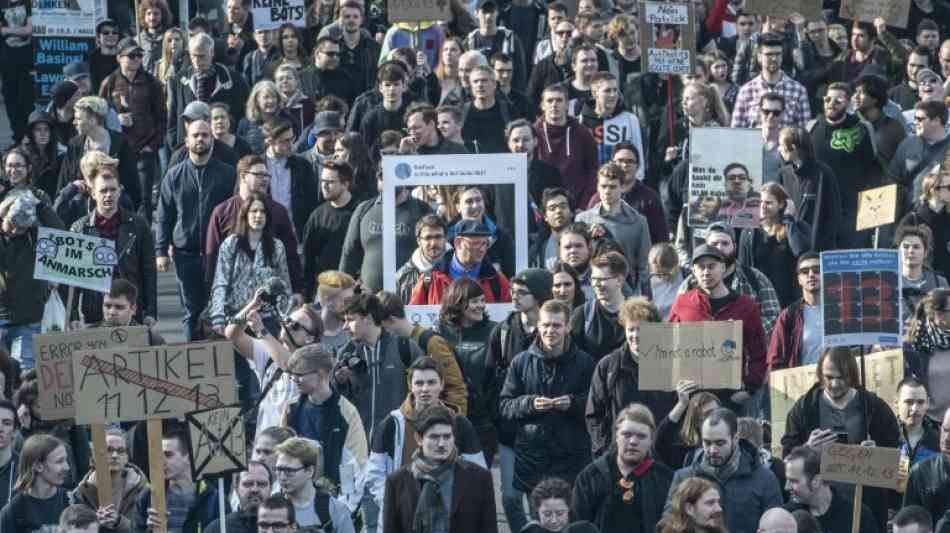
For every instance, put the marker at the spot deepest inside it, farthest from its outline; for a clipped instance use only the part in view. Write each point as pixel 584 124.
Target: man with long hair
pixel 695 508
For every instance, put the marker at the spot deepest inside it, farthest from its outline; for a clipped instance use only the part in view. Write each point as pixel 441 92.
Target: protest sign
pixel 271 14
pixel 861 297
pixel 503 177
pixel 667 38
pixel 419 10
pixel 67 18
pixel 218 445
pixel 883 371
pixel 876 207
pixel 50 55
pixel 724 178
pixel 860 465
pixel 54 363
pixel 126 384
pixel 74 259
pixel 709 353
pixel 895 12
pixel 809 9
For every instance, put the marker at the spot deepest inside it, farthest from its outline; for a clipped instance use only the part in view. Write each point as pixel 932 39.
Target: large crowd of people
pixel 247 163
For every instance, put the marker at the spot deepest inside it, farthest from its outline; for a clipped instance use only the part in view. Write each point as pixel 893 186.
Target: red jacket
pixel 785 346
pixel 494 283
pixel 693 306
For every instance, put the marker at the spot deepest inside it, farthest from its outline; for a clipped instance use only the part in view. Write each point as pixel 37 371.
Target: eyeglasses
pixel 288 471
pixel 293 325
pixel 118 451
pixel 330 53
pixel 277 527
pixel 475 243
pixel 810 270
pixel 771 112
pixel 135 55
pixel 835 100
pixel 108 32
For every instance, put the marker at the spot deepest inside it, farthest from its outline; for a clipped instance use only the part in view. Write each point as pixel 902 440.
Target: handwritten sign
pixel 218 445
pixel 895 12
pixel 877 207
pixel 848 463
pixel 54 363
pixel 271 14
pixel 668 38
pixel 810 9
pixel 419 10
pixel 74 259
pixel 709 353
pixel 126 384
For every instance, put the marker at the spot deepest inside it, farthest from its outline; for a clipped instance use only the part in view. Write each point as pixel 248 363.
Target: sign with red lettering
pixel 861 465
pixel 126 384
pixel 54 363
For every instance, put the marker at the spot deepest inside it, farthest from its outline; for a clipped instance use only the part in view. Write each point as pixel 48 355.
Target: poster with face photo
pixel 725 175
pixel 486 187
pixel 668 38
pixel 861 297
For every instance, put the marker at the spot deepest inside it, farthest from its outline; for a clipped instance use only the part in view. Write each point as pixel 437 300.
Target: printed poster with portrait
pixel 725 175
pixel 502 185
pixel 668 38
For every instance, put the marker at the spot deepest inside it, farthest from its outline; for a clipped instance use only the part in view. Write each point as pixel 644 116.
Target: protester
pixel 920 435
pixel 40 497
pixel 299 470
pixel 253 485
pixel 797 337
pixel 126 480
pixel 695 507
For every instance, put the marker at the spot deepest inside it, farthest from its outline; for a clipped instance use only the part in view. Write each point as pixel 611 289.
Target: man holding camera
pixel 269 354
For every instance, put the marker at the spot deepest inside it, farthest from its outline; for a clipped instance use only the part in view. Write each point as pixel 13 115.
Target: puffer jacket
pixel 554 442
pixel 471 352
pixel 746 495
pixel 135 484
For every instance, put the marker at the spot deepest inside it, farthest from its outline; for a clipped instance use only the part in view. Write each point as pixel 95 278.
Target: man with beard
pixel 326 228
pixel 917 154
pixel 253 485
pixel 638 504
pixel 920 435
pixel 849 65
pixel 556 208
pixel 929 482
pixel 594 325
pixel 437 489
pixel 424 137
pixel 552 408
pixel 745 113
pixel 749 488
pixel 738 182
pixel 608 121
pixel 870 96
pixel 810 492
pixel 713 299
pixel 846 144
pixel 253 178
pixel 797 337
pixel 430 247
pixel 695 507
pixel 189 193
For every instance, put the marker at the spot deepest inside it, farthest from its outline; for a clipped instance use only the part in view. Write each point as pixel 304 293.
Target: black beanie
pixel 538 280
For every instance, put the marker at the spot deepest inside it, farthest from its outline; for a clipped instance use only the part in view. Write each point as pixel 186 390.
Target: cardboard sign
pixel 861 297
pixel 877 207
pixel 126 384
pixel 724 178
pixel 810 9
pixel 54 363
pixel 271 14
pixel 218 445
pixel 419 10
pixel 861 465
pixel 709 353
pixel 74 259
pixel 667 38
pixel 895 12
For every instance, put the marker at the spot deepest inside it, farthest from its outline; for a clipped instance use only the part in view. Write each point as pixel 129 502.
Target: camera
pixel 272 289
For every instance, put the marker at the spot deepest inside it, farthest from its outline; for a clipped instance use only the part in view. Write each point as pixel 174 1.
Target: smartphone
pixel 841 437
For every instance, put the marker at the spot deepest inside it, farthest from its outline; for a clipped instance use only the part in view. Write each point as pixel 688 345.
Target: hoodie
pixel 135 483
pixel 616 127
pixel 572 149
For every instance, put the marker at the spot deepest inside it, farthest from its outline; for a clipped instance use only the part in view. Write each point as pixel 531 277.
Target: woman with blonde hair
pixel 173 42
pixel 447 70
pixel 931 210
pixel 263 104
pixel 775 245
pixel 39 497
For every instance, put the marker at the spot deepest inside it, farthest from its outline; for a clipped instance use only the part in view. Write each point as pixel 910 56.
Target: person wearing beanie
pixel 90 114
pixel 43 145
pixel 63 97
pixel 530 288
pixel 616 383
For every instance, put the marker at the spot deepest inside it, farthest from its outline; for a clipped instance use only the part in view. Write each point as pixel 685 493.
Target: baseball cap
pixel 76 70
pixel 127 45
pixel 926 73
pixel 705 250
pixel 472 228
pixel 326 121
pixel 197 110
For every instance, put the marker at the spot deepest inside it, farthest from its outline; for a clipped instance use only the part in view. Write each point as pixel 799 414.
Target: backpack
pixel 405 352
pixel 321 505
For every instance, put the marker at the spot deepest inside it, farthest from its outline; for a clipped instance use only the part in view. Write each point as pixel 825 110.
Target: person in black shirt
pixel 504 72
pixel 323 235
pixel 388 114
pixel 485 118
pixel 325 76
pixel 102 60
pixel 594 327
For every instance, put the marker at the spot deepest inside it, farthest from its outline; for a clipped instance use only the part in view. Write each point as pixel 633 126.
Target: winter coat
pixel 118 149
pixel 471 351
pixel 185 204
pixel 596 485
pixel 929 485
pixel 230 88
pixel 135 484
pixel 145 101
pixel 552 442
pixel 814 189
pixel 430 288
pixel 785 346
pixel 22 296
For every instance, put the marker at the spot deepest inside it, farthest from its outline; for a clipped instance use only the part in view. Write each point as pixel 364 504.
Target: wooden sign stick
pixel 856 512
pixel 103 476
pixel 156 468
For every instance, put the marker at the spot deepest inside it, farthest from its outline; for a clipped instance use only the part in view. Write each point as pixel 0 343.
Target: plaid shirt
pixel 797 112
pixel 765 296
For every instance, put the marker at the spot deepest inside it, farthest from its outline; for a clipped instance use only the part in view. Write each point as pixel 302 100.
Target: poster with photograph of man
pixel 725 175
pixel 668 38
pixel 482 200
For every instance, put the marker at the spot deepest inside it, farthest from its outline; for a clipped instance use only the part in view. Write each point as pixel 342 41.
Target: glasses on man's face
pixel 835 100
pixel 287 471
pixel 116 451
pixel 294 326
pixel 135 55
pixel 480 244
pixel 772 112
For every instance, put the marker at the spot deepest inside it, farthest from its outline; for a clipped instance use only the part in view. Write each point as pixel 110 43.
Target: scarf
pixel 724 472
pixel 430 500
pixel 420 261
pixel 931 338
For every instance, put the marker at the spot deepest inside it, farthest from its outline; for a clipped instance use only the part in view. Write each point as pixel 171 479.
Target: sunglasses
pixel 135 55
pixel 772 112
pixel 293 326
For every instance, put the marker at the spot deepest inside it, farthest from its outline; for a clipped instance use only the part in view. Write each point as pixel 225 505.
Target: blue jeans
pixel 190 271
pixel 512 499
pixel 19 340
pixel 370 512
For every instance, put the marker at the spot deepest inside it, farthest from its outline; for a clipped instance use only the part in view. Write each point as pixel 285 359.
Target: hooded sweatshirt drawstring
pixel 567 139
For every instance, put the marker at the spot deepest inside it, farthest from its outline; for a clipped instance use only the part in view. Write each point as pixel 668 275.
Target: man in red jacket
pixel 712 300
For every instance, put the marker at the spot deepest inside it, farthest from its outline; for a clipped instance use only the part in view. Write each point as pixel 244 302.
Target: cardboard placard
pixel 861 465
pixel 895 12
pixel 709 353
pixel 74 259
pixel 126 384
pixel 54 363
pixel 419 10
pixel 271 14
pixel 218 445
pixel 724 178
pixel 667 38
pixel 810 9
pixel 861 297
pixel 877 207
